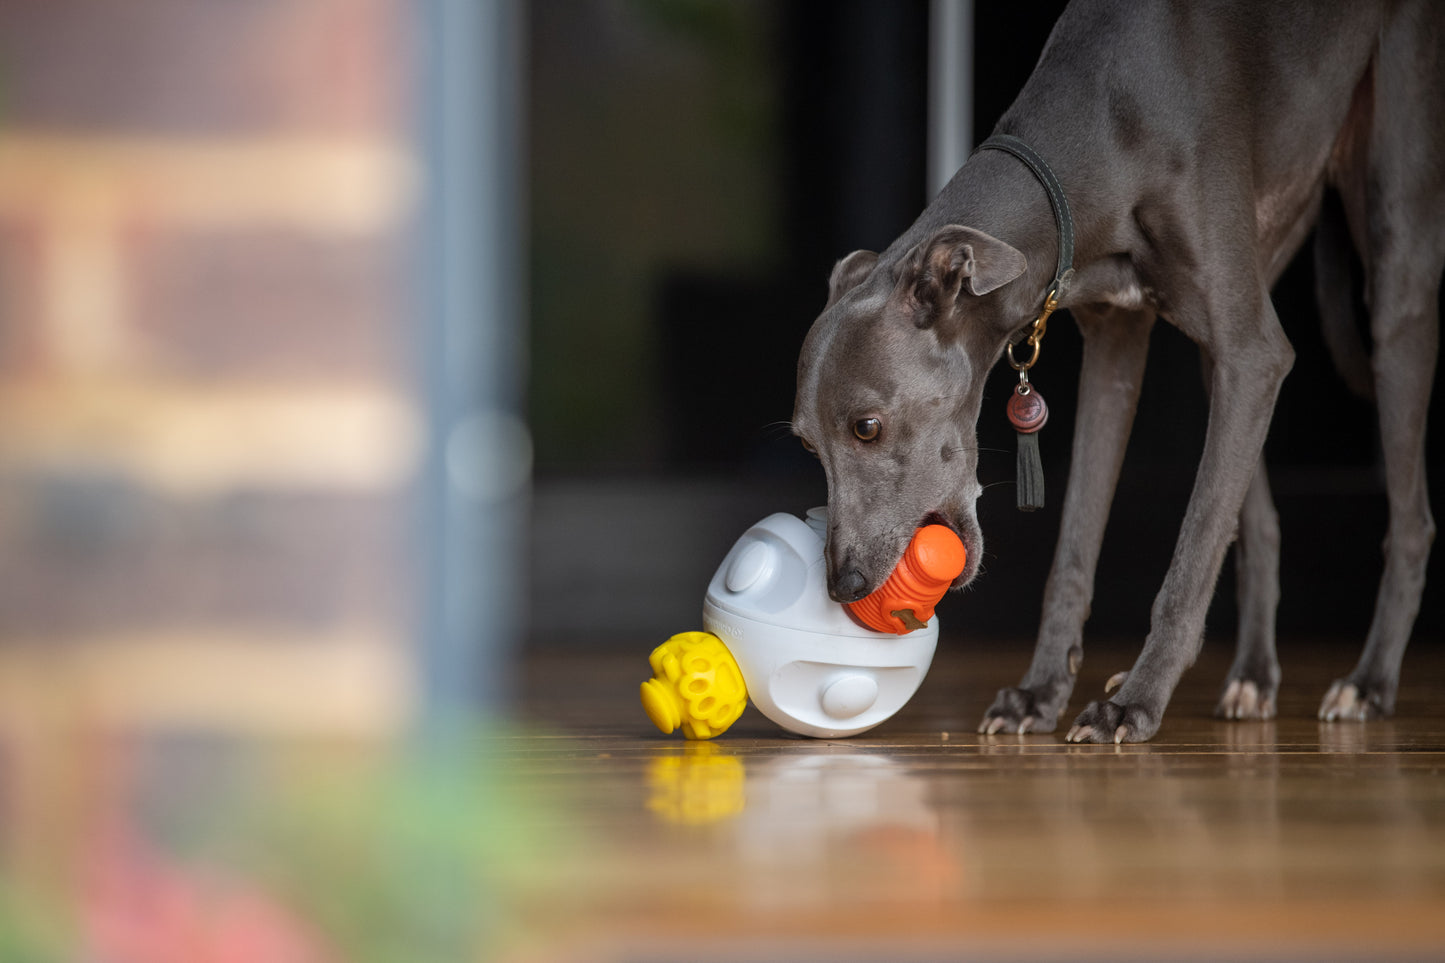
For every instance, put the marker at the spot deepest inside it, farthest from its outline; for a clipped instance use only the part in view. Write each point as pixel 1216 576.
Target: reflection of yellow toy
pixel 696 684
pixel 702 784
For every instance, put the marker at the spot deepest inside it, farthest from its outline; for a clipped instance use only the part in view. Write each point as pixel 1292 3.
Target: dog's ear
pixel 935 272
pixel 848 272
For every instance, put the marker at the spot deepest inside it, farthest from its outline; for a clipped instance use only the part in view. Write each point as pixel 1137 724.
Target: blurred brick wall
pixel 207 421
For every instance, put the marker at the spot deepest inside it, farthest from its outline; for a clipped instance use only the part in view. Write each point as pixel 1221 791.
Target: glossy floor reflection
pixel 578 833
pixel 921 840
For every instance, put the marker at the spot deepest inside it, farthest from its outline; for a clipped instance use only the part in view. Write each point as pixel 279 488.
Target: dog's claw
pixel 1111 722
pixel 1245 699
pixel 1019 710
pixel 1346 701
pixel 1115 680
pixel 1248 700
pixel 1335 701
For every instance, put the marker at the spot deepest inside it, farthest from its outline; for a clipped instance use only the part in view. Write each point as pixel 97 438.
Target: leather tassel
pixel 1030 473
pixel 1027 412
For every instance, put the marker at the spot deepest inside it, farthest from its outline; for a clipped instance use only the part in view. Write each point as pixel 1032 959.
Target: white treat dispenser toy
pixel 812 665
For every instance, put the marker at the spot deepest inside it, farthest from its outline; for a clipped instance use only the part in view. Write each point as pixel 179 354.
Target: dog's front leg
pixel 1116 346
pixel 1251 357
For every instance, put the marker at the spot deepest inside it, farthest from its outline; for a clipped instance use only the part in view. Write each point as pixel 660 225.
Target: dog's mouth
pixel 967 534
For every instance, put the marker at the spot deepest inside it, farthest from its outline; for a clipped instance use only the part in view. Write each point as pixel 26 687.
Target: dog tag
pixel 1027 412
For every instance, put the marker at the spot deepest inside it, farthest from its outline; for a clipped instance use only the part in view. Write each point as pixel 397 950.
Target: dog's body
pixel 1194 142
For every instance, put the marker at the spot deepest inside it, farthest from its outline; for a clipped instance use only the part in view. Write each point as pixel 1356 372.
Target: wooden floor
pixel 574 832
pixel 1290 839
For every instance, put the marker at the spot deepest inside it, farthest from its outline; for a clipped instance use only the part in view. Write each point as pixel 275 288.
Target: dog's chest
pixel 1112 281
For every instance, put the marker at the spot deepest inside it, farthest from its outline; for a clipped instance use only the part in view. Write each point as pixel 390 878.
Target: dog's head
pixel 890 380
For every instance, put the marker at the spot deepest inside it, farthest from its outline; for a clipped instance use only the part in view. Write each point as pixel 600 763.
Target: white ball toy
pixel 809 665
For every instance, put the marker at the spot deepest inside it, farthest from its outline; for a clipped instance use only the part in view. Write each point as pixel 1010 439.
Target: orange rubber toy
pixel 934 558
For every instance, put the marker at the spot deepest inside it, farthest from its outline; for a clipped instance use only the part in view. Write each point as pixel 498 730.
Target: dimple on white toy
pixel 814 666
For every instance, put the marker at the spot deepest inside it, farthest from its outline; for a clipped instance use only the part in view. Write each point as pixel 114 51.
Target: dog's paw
pixel 1111 722
pixel 1019 710
pixel 1246 699
pixel 1348 701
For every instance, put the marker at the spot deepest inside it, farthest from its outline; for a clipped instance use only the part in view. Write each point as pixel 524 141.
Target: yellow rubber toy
pixel 696 684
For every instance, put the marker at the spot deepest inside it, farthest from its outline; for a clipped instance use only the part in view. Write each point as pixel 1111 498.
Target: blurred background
pixel 352 351
pixel 695 170
pixel 210 414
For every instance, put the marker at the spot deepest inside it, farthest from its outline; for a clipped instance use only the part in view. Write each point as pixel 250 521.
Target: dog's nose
pixel 849 586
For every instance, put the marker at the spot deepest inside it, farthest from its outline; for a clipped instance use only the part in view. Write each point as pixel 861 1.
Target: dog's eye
pixel 867 429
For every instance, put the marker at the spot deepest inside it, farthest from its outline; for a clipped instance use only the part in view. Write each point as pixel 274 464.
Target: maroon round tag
pixel 1027 410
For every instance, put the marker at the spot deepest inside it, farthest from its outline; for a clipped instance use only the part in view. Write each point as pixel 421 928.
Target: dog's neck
pixel 998 194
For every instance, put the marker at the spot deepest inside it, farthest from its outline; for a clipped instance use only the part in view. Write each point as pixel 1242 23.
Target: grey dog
pixel 1194 142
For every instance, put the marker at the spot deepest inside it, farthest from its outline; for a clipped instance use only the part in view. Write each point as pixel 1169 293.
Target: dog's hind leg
pixel 1252 682
pixel 1406 231
pixel 1406 335
pixel 1253 679
pixel 1116 347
